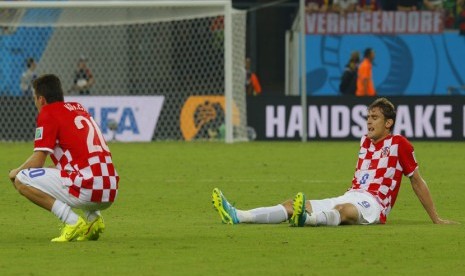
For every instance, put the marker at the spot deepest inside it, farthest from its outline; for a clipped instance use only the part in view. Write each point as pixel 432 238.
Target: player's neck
pixel 381 138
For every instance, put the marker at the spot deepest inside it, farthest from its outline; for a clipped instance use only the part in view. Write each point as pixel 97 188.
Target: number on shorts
pixel 364 204
pixel 36 172
pixel 91 134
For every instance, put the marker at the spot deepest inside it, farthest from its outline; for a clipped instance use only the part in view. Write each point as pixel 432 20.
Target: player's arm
pixel 36 160
pixel 421 190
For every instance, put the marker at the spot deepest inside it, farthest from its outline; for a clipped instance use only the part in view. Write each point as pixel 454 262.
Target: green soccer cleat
pixel 71 232
pixel 93 230
pixel 299 213
pixel 225 209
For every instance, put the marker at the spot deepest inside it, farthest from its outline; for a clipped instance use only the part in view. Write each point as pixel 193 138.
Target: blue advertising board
pixel 405 64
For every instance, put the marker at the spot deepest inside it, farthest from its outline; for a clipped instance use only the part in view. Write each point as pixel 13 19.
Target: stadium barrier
pixel 279 118
pixel 17 118
pixel 173 49
pixel 129 118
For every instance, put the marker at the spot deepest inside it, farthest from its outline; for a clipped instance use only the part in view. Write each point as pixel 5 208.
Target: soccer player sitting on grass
pixel 382 159
pixel 84 177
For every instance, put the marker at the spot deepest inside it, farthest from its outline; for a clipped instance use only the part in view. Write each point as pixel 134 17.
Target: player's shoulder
pixel 400 140
pixel 52 108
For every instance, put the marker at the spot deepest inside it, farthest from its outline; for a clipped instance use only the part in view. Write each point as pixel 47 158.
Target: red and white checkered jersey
pixel 380 167
pixel 78 149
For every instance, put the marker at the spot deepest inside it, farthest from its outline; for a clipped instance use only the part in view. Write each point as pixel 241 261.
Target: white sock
pixel 311 219
pixel 330 218
pixel 333 217
pixel 269 215
pixel 64 212
pixel 91 215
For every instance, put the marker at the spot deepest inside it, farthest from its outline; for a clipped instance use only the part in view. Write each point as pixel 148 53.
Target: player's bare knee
pixel 349 213
pixel 288 205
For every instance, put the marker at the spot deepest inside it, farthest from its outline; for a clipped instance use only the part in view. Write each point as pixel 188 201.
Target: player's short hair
pixel 387 108
pixel 49 86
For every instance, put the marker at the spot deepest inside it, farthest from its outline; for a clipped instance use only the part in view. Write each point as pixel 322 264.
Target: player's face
pixel 378 126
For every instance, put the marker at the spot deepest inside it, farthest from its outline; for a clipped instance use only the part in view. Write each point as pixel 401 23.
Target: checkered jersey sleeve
pixel 406 156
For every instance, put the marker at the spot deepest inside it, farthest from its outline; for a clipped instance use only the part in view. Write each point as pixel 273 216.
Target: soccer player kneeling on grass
pixel 84 177
pixel 382 159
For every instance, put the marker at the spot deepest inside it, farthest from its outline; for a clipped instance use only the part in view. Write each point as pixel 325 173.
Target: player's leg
pixel 91 215
pixel 37 186
pixel 268 215
pixel 358 208
pixel 289 206
pixel 345 213
pixel 43 187
pixel 348 214
pixel 329 212
pixel 35 195
pixel 95 222
pixel 351 208
pixel 95 226
pixel 317 212
pixel 230 215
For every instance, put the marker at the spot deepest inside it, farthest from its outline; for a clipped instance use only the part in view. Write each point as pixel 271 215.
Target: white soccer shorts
pixel 49 181
pixel 368 208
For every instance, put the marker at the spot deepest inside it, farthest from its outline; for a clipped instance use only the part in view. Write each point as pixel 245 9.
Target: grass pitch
pixel 163 223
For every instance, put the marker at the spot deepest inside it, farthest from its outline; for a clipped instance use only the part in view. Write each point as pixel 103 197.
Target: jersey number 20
pixel 93 129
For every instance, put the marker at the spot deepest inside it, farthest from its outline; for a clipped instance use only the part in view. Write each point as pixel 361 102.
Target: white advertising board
pixel 123 118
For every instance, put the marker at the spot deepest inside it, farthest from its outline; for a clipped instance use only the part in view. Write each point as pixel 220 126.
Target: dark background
pixel 266 28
